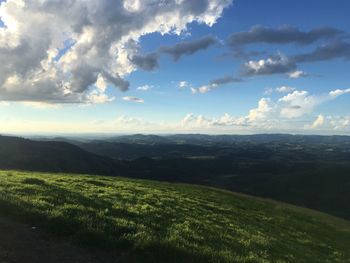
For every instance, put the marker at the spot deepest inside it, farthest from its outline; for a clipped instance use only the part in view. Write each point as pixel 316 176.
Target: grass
pixel 161 222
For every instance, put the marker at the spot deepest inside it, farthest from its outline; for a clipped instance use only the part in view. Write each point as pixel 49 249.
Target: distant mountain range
pixel 200 138
pixel 215 139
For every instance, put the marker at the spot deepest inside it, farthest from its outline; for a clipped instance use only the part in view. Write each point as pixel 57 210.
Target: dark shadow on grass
pixel 96 241
pixel 96 183
pixel 70 224
pixel 166 253
pixel 33 181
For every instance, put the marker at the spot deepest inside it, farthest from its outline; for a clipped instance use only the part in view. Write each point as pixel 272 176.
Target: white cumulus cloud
pixel 183 84
pixel 145 87
pixel 285 89
pixel 297 74
pixel 59 51
pixel 299 103
pixel 261 111
pixel 318 122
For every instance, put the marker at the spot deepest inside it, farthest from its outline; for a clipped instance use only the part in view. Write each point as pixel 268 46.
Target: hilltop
pixel 53 156
pixel 149 221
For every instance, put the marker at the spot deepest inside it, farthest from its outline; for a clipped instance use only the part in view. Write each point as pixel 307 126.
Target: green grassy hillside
pixel 162 222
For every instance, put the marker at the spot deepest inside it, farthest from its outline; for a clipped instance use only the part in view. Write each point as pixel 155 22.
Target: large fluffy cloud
pixel 299 103
pixel 55 51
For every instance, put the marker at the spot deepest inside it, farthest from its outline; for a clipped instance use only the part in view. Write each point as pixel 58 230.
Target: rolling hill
pixel 150 221
pixel 53 156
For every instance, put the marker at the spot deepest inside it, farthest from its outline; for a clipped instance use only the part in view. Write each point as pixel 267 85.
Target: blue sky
pixel 253 102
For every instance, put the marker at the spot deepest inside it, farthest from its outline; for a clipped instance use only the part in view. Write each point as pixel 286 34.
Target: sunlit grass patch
pixel 163 222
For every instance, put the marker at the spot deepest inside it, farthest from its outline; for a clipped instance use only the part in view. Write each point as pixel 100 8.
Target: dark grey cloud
pixel 83 75
pixel 150 61
pixel 276 64
pixel 282 35
pixel 215 83
pixel 117 81
pixel 147 62
pixel 279 64
pixel 133 99
pixel 225 80
pixel 335 47
pixel 189 47
pixel 295 107
pixel 326 52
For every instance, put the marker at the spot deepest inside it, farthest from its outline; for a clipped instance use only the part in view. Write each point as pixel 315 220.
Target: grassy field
pixel 162 222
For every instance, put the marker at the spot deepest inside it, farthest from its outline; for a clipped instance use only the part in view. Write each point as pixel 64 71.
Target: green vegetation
pixel 162 222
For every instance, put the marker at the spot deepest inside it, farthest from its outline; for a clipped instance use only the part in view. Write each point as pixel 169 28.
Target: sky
pixel 175 66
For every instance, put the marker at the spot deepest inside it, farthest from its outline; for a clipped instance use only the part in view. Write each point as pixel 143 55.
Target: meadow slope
pixel 150 221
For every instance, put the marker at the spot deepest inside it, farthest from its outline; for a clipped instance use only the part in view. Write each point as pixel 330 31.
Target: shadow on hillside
pixel 70 225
